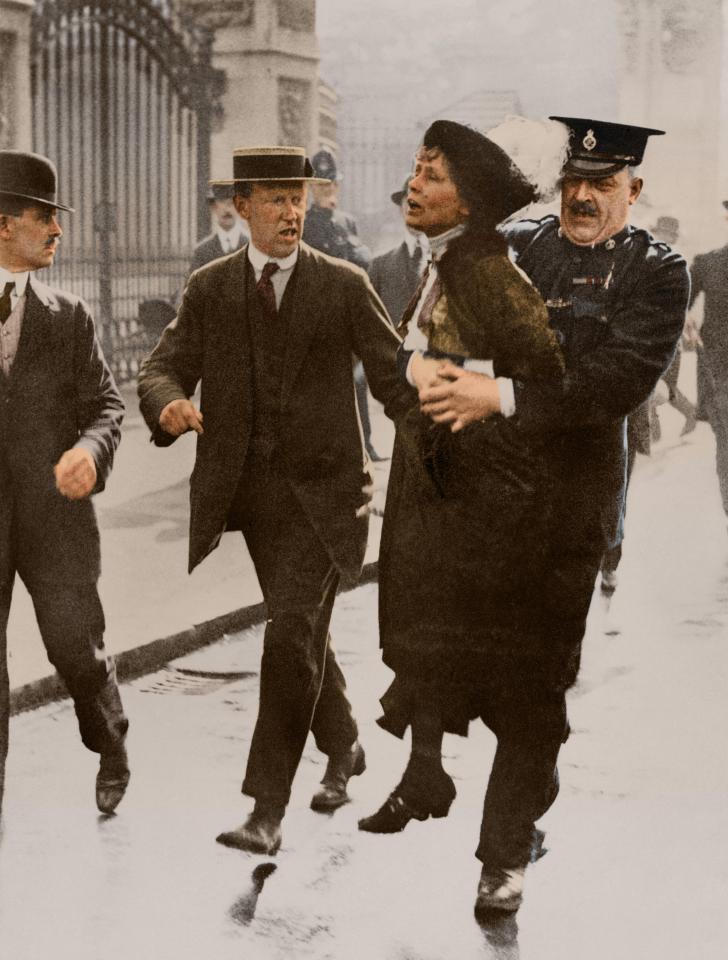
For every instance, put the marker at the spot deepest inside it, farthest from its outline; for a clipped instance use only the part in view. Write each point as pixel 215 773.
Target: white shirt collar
pixel 19 279
pixel 440 243
pixel 416 240
pixel 259 259
pixel 231 238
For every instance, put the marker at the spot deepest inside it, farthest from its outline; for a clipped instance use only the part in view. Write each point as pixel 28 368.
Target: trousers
pixel 302 687
pixel 524 780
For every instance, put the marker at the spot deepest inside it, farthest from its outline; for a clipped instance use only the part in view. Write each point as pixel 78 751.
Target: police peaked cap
pixel 484 173
pixel 599 149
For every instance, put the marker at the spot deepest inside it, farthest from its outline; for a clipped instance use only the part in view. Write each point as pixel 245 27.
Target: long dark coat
pixel 336 313
pixel 461 557
pixel 60 393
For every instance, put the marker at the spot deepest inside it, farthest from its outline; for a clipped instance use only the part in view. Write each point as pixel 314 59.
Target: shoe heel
pixel 441 810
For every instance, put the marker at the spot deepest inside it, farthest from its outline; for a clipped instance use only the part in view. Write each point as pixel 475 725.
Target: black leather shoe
pixel 112 778
pixel 499 890
pixel 396 812
pixel 261 832
pixel 339 770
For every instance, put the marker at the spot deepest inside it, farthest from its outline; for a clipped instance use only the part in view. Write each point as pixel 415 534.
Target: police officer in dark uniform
pixel 332 231
pixel 616 298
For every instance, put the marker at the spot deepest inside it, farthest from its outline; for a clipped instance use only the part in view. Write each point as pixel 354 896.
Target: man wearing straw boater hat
pixel 60 418
pixel 270 332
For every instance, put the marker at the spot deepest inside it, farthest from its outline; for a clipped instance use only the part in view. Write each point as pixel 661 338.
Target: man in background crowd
pixel 396 274
pixel 709 273
pixel 228 229
pixel 333 231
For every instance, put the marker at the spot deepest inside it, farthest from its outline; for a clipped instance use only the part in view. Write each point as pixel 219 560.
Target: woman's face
pixel 433 203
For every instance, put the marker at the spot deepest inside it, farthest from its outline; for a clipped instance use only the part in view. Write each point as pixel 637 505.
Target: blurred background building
pixel 139 102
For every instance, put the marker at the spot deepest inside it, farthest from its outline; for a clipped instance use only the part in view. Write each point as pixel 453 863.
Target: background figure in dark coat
pixel 334 232
pixel 709 275
pixel 643 424
pixel 270 332
pixel 396 274
pixel 616 300
pixel 228 230
pixel 60 418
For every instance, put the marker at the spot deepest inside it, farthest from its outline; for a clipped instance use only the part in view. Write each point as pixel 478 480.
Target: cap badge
pixel 589 141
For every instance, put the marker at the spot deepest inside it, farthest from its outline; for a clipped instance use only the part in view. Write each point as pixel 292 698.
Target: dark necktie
pixel 266 293
pixel 417 258
pixel 5 306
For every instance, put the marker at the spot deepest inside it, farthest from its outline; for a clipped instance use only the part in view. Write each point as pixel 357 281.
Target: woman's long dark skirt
pixel 471 575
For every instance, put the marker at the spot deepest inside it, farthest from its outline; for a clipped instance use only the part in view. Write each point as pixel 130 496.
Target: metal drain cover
pixel 188 682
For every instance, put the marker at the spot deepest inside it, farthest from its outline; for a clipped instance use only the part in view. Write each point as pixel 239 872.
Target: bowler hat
pixel 219 192
pixel 29 176
pixel 598 149
pixel 484 173
pixel 269 164
pixel 668 227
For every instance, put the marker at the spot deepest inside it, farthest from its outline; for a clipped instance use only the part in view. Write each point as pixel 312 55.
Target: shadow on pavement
pixel 242 911
pixel 501 935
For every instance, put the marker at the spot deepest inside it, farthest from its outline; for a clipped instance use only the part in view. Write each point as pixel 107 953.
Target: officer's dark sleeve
pixel 621 372
pixel 375 342
pixel 99 407
pixel 174 367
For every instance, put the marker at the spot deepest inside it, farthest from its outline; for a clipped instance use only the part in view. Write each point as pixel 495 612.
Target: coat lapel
pixel 235 345
pixel 38 330
pixel 310 294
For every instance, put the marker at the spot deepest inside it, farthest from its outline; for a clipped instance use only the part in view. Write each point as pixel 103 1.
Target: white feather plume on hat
pixel 537 147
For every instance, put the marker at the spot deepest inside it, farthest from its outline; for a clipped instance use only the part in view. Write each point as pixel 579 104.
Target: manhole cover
pixel 190 682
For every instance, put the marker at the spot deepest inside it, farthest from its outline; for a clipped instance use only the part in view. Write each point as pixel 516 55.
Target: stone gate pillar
pixel 269 53
pixel 15 106
pixel 670 78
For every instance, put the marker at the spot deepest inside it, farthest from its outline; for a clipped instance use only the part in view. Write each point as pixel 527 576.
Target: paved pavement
pixel 638 838
pixel 147 593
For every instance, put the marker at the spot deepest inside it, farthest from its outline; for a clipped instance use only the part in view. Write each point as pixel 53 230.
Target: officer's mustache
pixel 582 208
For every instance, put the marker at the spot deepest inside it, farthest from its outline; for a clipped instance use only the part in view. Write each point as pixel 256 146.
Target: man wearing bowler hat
pixel 60 419
pixel 270 332
pixel 228 230
pixel 616 298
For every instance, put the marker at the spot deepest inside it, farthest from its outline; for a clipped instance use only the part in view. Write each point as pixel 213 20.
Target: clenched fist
pixel 75 474
pixel 179 416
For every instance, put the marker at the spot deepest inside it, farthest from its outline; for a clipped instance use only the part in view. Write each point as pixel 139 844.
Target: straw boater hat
pixel 29 176
pixel 270 164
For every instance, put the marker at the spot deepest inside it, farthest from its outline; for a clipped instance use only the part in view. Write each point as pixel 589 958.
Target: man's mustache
pixel 582 208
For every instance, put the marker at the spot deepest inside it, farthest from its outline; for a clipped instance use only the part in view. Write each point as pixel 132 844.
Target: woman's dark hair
pixel 488 182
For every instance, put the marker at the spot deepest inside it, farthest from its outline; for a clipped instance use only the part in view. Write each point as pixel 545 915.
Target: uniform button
pixel 610 244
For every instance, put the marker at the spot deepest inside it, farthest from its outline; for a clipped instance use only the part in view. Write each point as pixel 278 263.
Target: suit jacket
pixel 336 313
pixel 395 279
pixel 210 249
pixel 709 274
pixel 60 393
